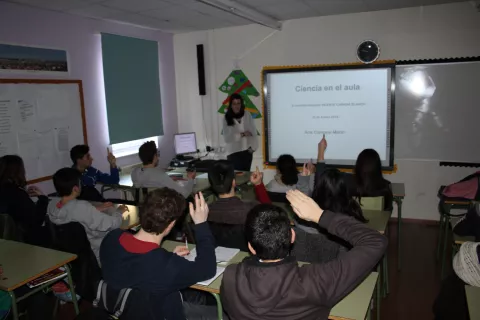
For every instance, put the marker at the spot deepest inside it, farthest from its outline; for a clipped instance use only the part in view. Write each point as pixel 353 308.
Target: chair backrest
pixel 122 304
pixel 229 235
pixel 9 229
pixel 71 237
pixel 371 203
pixel 141 194
pixel 278 196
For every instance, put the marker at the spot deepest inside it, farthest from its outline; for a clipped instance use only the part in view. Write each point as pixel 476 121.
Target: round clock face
pixel 368 51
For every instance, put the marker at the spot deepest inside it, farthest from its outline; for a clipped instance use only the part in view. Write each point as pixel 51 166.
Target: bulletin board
pixel 41 120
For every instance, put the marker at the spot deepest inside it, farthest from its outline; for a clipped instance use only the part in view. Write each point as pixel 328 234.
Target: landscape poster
pixel 15 58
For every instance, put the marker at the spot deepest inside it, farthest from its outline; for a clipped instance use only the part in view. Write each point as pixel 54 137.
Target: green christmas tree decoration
pixel 237 82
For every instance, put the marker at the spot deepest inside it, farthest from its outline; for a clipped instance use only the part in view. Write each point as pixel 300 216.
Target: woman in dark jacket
pixel 367 179
pixel 15 201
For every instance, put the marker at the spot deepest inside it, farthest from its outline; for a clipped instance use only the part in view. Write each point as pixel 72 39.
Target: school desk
pixel 22 263
pixel 354 306
pixel 126 185
pixel 473 298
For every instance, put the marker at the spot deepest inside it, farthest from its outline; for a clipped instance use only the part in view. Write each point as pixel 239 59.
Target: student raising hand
pixel 111 159
pixel 199 213
pixel 322 146
pixel 304 206
pixel 256 177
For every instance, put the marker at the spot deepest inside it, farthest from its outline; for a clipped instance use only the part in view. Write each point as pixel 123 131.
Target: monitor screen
pixel 185 143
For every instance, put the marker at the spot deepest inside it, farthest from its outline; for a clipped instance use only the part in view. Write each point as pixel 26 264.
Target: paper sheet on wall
pixel 28 115
pixel 6 116
pixel 62 139
pixel 8 145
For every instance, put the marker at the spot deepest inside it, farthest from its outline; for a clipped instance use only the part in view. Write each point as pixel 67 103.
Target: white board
pixel 41 121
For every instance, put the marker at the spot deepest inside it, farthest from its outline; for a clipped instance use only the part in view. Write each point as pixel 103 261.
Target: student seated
pixel 451 302
pixel 330 193
pixel 150 175
pixel 15 201
pixel 271 285
pixel 82 161
pixel 229 209
pixel 97 224
pixel 228 214
pixel 137 260
pixel 367 178
pixel 288 177
pixel 469 225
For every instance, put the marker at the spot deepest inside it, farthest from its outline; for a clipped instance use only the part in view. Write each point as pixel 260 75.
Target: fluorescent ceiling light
pixel 244 12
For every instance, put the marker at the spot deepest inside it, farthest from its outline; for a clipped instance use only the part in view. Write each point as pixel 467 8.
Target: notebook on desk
pixel 219 271
pixel 222 254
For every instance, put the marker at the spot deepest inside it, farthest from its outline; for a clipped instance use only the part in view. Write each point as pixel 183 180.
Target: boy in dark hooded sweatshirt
pixel 271 285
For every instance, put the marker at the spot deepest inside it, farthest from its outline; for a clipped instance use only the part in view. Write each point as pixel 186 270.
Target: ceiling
pixel 190 15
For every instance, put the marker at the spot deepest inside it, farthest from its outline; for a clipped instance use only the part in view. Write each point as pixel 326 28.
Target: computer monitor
pixel 185 143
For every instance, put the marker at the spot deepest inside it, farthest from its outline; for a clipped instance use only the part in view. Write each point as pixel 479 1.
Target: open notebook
pixel 222 254
pixel 217 274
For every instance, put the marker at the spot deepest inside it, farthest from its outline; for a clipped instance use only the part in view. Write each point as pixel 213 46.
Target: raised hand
pixel 111 159
pixel 199 212
pixel 306 170
pixel 322 146
pixel 256 177
pixel 304 206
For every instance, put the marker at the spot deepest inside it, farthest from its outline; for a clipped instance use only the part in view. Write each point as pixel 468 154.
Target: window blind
pixel 132 88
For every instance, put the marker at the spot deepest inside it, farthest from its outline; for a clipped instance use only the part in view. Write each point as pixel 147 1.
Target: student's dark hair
pixel 147 152
pixel 65 180
pixel 12 170
pixel 268 230
pixel 287 166
pixel 230 115
pixel 331 193
pixel 220 175
pixel 368 173
pixel 78 152
pixel 160 208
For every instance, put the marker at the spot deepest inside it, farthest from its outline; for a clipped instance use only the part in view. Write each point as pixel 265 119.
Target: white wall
pixel 81 38
pixel 451 30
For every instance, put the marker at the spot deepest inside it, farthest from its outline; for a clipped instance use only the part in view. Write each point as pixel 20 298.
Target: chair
pixel 9 229
pixel 71 237
pixel 112 303
pixel 371 203
pixel 445 225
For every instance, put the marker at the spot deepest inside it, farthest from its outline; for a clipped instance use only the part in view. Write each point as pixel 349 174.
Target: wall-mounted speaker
pixel 201 70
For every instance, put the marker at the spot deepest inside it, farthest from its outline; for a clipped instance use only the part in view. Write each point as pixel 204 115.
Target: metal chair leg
pixel 219 306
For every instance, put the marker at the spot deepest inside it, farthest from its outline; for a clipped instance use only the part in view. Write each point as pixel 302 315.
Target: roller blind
pixel 132 88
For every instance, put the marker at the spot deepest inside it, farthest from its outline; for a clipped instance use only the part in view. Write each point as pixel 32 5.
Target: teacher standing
pixel 240 134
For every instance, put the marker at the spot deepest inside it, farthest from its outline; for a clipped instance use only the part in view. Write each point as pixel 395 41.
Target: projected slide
pixel 351 107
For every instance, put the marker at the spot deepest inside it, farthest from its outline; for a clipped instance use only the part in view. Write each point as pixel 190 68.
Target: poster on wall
pixel 237 82
pixel 23 59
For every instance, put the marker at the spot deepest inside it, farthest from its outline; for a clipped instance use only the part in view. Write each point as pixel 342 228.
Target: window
pixel 130 147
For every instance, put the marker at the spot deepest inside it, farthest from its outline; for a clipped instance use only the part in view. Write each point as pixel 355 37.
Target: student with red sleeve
pixel 227 214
